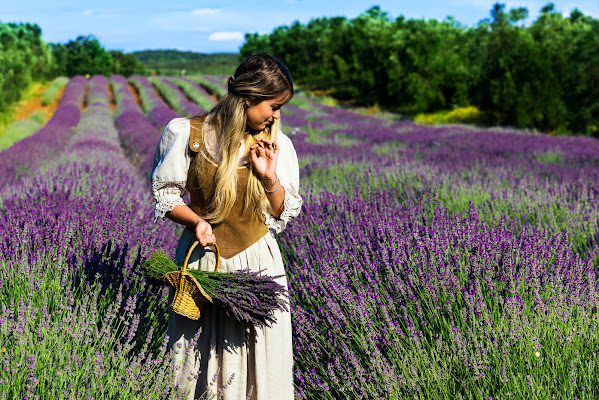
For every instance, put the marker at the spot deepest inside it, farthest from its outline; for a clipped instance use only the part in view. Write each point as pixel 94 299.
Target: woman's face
pixel 263 114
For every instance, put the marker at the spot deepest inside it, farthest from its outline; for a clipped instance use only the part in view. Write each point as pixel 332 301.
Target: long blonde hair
pixel 258 78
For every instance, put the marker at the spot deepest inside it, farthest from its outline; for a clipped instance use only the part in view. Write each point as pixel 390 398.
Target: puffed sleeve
pixel 288 174
pixel 171 163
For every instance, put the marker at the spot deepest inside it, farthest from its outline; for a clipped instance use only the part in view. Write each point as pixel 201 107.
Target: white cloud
pixel 226 36
pixel 205 11
pixel 88 12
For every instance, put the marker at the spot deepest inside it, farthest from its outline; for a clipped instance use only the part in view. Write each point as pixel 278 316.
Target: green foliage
pixel 549 157
pixel 166 92
pixel 86 56
pixel 38 116
pixel 519 79
pixel 52 90
pixel 83 56
pixel 462 115
pixel 24 58
pixel 539 76
pixel 211 87
pixel 146 101
pixel 174 62
pixel 19 130
pixel 195 95
pixel 126 64
pixel 414 65
pixel 582 92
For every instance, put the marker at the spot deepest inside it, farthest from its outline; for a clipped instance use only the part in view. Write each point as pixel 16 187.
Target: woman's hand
pixel 203 231
pixel 264 157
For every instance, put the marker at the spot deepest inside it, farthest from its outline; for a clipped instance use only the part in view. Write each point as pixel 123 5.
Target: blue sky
pixel 219 26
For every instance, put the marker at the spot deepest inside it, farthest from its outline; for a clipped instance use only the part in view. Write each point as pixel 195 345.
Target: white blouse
pixel 172 160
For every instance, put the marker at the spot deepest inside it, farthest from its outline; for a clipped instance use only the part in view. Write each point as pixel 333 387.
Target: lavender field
pixel 428 262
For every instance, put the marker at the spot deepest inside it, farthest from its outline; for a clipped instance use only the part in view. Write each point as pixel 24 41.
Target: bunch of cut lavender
pixel 244 295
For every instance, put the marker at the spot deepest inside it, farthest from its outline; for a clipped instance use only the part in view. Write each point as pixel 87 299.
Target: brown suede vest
pixel 240 229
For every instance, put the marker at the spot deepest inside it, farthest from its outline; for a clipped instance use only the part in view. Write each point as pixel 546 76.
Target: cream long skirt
pixel 218 356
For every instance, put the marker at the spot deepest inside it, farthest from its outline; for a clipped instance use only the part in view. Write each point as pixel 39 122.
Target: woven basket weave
pixel 189 297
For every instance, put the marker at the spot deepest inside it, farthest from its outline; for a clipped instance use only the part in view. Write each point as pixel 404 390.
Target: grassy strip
pixel 211 87
pixel 53 89
pixel 195 95
pixel 167 93
pixel 21 129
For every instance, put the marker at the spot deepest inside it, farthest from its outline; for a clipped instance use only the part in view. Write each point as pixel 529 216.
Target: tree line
pixel 543 75
pixel 175 62
pixel 25 57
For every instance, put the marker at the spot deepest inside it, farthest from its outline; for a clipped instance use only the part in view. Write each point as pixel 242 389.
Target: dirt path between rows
pixel 33 104
pixel 111 97
pixel 26 107
pixel 84 101
pixel 135 95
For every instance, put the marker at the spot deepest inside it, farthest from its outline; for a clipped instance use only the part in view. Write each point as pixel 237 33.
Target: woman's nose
pixel 277 114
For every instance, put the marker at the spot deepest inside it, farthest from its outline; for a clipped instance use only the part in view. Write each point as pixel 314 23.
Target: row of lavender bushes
pixel 138 136
pixel 442 262
pixel 77 320
pixel 535 180
pixel 428 262
pixel 27 155
pixel 415 238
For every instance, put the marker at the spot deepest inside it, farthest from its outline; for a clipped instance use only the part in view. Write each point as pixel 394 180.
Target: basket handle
pixel 193 246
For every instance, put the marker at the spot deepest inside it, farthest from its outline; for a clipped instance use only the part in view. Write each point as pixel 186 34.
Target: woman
pixel 242 175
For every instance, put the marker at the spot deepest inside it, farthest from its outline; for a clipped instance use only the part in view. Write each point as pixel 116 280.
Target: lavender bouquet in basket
pixel 244 295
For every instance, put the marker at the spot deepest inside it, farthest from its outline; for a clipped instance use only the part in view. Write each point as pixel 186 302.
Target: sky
pixel 220 25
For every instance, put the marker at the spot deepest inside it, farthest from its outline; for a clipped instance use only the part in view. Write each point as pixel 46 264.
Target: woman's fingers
pixel 204 233
pixel 269 149
pixel 206 239
pixel 257 152
pixel 270 144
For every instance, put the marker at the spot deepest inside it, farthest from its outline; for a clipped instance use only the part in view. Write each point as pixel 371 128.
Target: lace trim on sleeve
pixel 167 195
pixel 293 206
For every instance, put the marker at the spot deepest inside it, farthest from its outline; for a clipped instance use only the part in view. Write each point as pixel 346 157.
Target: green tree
pixel 85 55
pixel 543 75
pixel 582 92
pixel 24 57
pixel 507 82
pixel 430 69
pixel 126 64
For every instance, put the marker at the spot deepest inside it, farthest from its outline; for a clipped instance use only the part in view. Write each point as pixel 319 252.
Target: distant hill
pixel 175 62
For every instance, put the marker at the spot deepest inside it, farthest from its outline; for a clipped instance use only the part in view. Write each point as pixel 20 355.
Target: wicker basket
pixel 189 296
